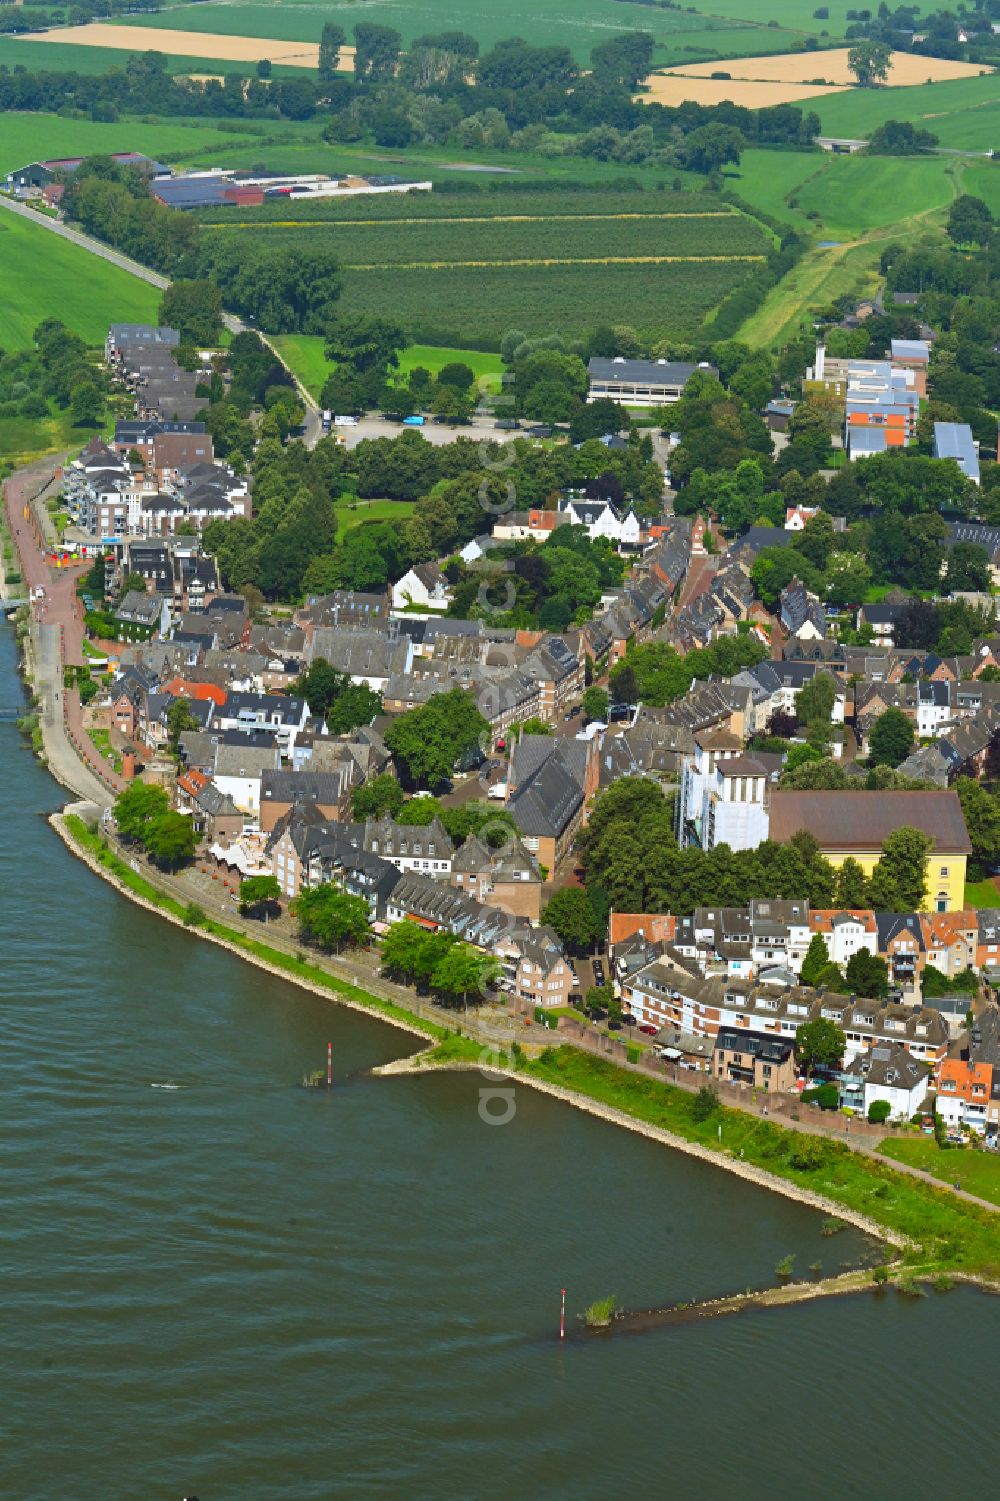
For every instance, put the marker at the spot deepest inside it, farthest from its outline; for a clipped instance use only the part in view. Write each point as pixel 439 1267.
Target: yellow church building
pixel 855 824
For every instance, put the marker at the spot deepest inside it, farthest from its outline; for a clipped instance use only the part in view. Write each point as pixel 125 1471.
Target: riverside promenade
pixel 55 639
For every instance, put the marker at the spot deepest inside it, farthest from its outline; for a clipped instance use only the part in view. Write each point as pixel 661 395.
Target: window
pixel 944 870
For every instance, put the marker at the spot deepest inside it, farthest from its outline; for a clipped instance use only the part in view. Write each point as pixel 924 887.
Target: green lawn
pixel 303 353
pixel 978 1172
pixel 487 368
pixel 32 137
pixel 981 894
pixel 854 194
pixel 352 512
pixel 43 276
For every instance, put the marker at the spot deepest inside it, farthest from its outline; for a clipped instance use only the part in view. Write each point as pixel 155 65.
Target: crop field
pixel 577 24
pixel 672 89
pixel 57 56
pixel 964 112
pixel 831 67
pixel 453 301
pixel 475 207
pixel 982 180
pixel 42 276
pixel 190 44
pixel 429 244
pixel 34 137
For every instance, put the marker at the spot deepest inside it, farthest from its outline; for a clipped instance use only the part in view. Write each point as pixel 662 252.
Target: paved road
pixel 57 640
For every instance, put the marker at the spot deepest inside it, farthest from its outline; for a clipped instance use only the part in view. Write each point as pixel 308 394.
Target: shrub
pixel 879 1112
pixel 784 1267
pixel 808 1154
pixel 705 1103
pixel 194 915
pixel 880 1275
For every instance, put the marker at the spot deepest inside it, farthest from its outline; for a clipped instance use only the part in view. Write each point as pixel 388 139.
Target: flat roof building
pixel 954 440
pixel 641 383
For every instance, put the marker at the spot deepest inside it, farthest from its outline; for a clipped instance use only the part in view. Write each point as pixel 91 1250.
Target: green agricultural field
pixel 65 57
pixel 962 112
pixel 428 244
pixel 43 276
pixel 32 137
pixel 578 24
pixel 659 300
pixel 982 179
pixel 560 271
pixel 352 512
pixel 855 194
pixel 484 204
pixel 768 179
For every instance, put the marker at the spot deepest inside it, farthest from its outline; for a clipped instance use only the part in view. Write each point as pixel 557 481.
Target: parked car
pixel 648 1029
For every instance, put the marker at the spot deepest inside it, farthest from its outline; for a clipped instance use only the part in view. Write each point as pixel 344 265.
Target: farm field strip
pixel 480 204
pixel 603 260
pixel 672 89
pixel 293 54
pixel 831 67
pixel 471 219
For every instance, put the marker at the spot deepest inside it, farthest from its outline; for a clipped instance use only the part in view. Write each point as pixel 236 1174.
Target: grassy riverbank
pixel 97 849
pixel 946 1234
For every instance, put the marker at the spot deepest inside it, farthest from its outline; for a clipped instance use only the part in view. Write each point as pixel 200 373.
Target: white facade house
pixel 848 934
pixel 425 586
pixel 722 802
pixel 893 1074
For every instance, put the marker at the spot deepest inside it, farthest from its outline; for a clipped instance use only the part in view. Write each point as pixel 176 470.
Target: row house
pixel 284 716
pixel 968 1096
pixel 618 524
pixel 508 877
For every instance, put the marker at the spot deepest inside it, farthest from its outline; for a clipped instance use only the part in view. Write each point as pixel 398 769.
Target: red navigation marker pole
pixel 562 1316
pixel 329 1065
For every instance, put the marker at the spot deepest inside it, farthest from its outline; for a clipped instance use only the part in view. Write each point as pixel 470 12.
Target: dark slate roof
pixel 863 820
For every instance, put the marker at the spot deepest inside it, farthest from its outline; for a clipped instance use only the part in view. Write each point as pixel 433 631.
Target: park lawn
pixel 351 512
pixel 28 137
pixel 487 368
pixel 303 354
pixel 981 894
pixel 977 1172
pixel 43 276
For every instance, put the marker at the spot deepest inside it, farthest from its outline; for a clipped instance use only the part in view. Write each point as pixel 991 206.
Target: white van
pixel 345 421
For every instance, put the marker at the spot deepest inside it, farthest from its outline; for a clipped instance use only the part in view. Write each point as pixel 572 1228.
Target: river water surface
pixel 246 1291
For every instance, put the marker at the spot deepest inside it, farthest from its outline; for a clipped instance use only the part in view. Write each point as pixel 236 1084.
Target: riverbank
pixel 934 1229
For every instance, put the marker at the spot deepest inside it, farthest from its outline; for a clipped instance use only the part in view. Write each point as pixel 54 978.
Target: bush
pixel 879 1112
pixel 880 1275
pixel 826 1096
pixel 705 1103
pixel 808 1154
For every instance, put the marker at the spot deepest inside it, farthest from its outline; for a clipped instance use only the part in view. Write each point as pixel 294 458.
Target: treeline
pixel 290 547
pixel 57 369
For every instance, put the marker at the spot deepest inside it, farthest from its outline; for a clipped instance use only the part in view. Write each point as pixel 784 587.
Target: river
pixel 242 1290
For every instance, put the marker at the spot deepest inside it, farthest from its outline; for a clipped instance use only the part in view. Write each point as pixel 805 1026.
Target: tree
pixel 170 839
pixel 332 38
pixel 428 743
pixel 816 959
pixel 815 700
pixel 257 892
pixel 969 221
pixel 891 738
pixel 705 1103
pixel 86 404
pixel 456 374
pixel 595 1002
pixel 819 1044
pixel 195 309
pixel 867 975
pixel 595 703
pixel 879 1112
pixel 981 811
pixel 179 719
pixel 623 61
pixel 357 705
pixel 402 948
pixel 138 807
pixel 378 797
pixel 463 971
pixel 870 63
pixel 329 917
pixel 376 53
pixel 899 881
pixel 710 147
pixel 852 886
pixel 571 913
